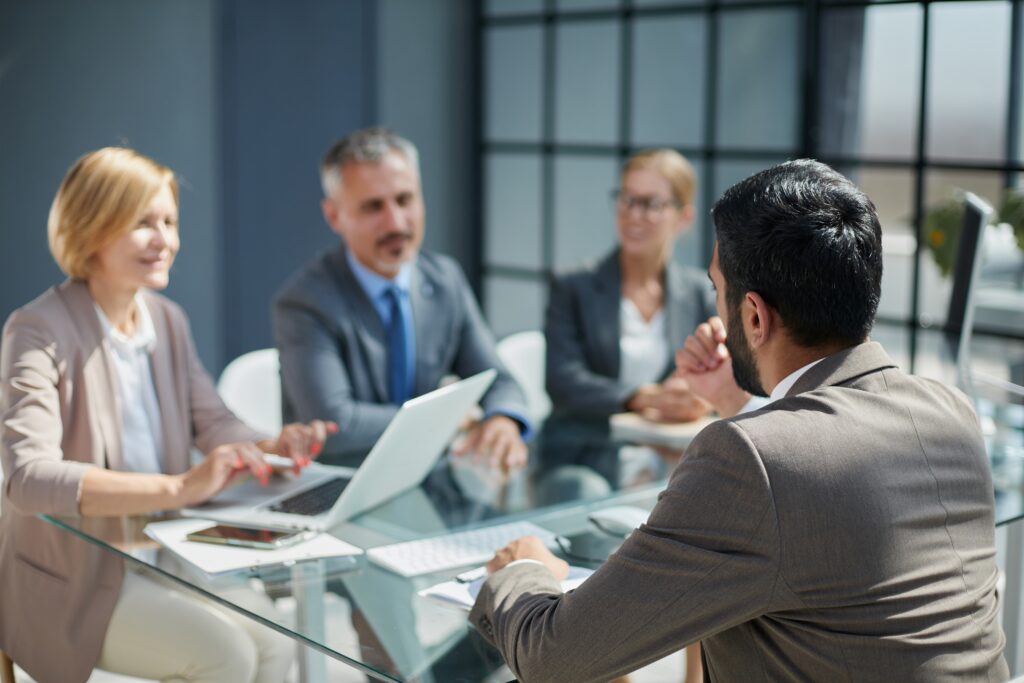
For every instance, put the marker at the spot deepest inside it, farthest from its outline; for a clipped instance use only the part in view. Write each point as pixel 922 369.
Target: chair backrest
pixel 251 387
pixel 523 354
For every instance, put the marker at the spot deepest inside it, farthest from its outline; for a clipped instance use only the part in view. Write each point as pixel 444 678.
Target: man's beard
pixel 744 366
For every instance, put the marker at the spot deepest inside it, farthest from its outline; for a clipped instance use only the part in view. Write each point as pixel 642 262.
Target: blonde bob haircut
pixel 670 165
pixel 102 197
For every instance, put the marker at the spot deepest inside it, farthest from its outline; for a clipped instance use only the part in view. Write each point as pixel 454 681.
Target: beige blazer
pixel 842 533
pixel 60 417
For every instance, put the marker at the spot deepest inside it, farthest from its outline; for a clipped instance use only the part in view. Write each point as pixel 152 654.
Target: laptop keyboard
pixel 315 500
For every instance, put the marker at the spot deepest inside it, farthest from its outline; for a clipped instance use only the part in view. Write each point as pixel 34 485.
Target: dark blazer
pixel 334 351
pixel 842 533
pixel 582 331
pixel 60 418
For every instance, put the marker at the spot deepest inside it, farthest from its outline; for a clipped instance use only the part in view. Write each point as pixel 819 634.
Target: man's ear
pixel 332 215
pixel 759 319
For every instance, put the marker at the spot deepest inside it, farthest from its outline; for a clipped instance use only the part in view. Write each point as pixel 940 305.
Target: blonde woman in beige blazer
pixel 72 444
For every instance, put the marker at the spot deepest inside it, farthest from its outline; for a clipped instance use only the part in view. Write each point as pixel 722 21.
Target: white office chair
pixel 523 354
pixel 251 387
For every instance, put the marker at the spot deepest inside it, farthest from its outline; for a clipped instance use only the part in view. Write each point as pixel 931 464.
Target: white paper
pixel 213 559
pixel 632 427
pixel 464 594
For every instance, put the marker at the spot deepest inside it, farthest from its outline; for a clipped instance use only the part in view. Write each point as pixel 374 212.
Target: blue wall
pixel 239 97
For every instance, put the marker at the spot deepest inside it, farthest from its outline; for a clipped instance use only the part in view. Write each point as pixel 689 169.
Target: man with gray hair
pixel 376 321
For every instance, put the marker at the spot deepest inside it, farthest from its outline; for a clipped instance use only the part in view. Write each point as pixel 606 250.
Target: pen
pixel 471 575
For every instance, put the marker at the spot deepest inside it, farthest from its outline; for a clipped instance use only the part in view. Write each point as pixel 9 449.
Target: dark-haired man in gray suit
pixel 376 321
pixel 844 532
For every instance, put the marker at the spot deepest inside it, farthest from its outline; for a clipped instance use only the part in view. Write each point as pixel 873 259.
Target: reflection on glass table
pixel 391 633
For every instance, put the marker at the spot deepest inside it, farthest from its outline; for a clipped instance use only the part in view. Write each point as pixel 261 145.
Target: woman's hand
pixel 218 468
pixel 300 442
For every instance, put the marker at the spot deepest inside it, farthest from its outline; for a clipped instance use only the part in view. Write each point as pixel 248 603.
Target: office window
pixel 512 7
pixel 570 5
pixel 871 76
pixel 758 93
pixel 910 98
pixel 586 84
pixel 513 218
pixel 936 281
pixel 513 84
pixel 968 69
pixel 892 191
pixel 690 247
pixel 584 223
pixel 669 83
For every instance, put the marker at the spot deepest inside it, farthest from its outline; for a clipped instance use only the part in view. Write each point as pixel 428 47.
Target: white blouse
pixel 643 345
pixel 141 434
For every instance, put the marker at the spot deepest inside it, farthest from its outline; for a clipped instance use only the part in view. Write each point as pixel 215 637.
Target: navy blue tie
pixel 398 370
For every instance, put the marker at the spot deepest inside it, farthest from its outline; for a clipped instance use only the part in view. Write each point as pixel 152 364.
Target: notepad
pixel 213 560
pixel 463 595
pixel 632 427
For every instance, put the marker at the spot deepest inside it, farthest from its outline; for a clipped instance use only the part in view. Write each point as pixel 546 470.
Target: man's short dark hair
pixel 808 241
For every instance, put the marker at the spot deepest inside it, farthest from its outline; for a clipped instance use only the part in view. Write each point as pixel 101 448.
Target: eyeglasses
pixel 651 207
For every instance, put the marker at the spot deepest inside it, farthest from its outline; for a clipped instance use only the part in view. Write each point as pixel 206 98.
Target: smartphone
pixel 248 537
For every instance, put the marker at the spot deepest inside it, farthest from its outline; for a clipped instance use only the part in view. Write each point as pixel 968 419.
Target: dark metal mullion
pixel 478 183
pixel 919 185
pixel 549 59
pixel 811 76
pixel 626 28
pixel 1013 109
pixel 710 126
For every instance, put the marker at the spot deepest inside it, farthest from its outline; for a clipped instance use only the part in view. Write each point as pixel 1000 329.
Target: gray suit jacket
pixel 582 331
pixel 842 533
pixel 334 350
pixel 60 418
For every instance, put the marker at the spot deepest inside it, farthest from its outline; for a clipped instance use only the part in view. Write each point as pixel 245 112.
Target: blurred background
pixel 523 111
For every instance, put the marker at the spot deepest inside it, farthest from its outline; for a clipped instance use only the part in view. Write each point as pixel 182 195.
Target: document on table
pixel 632 427
pixel 213 559
pixel 464 594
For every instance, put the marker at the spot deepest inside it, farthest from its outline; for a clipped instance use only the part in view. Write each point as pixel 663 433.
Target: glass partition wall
pixel 914 100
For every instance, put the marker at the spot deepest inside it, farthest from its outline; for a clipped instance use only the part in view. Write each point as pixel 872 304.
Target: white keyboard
pixel 463 548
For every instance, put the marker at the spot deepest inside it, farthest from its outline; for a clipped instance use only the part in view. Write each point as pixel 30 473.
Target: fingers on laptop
pixel 248 457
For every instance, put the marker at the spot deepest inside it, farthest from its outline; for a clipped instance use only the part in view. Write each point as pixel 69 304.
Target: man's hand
pixel 704 350
pixel 705 364
pixel 498 439
pixel 300 442
pixel 528 548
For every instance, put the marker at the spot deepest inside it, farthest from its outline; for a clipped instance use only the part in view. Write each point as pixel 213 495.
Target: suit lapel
pixel 368 327
pixel 98 369
pixel 427 313
pixel 173 424
pixel 605 306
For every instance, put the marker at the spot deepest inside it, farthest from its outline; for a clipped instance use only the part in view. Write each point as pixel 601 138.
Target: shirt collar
pixel 376 285
pixel 144 337
pixel 783 387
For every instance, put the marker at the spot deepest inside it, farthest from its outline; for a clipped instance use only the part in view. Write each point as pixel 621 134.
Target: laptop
pixel 323 496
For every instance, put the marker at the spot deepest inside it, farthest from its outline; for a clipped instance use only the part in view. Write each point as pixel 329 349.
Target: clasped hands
pixel 703 379
pixel 299 442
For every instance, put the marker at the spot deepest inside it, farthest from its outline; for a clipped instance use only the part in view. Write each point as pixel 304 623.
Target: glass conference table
pixel 372 620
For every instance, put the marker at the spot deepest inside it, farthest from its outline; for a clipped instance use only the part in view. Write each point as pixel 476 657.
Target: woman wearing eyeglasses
pixel 612 329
